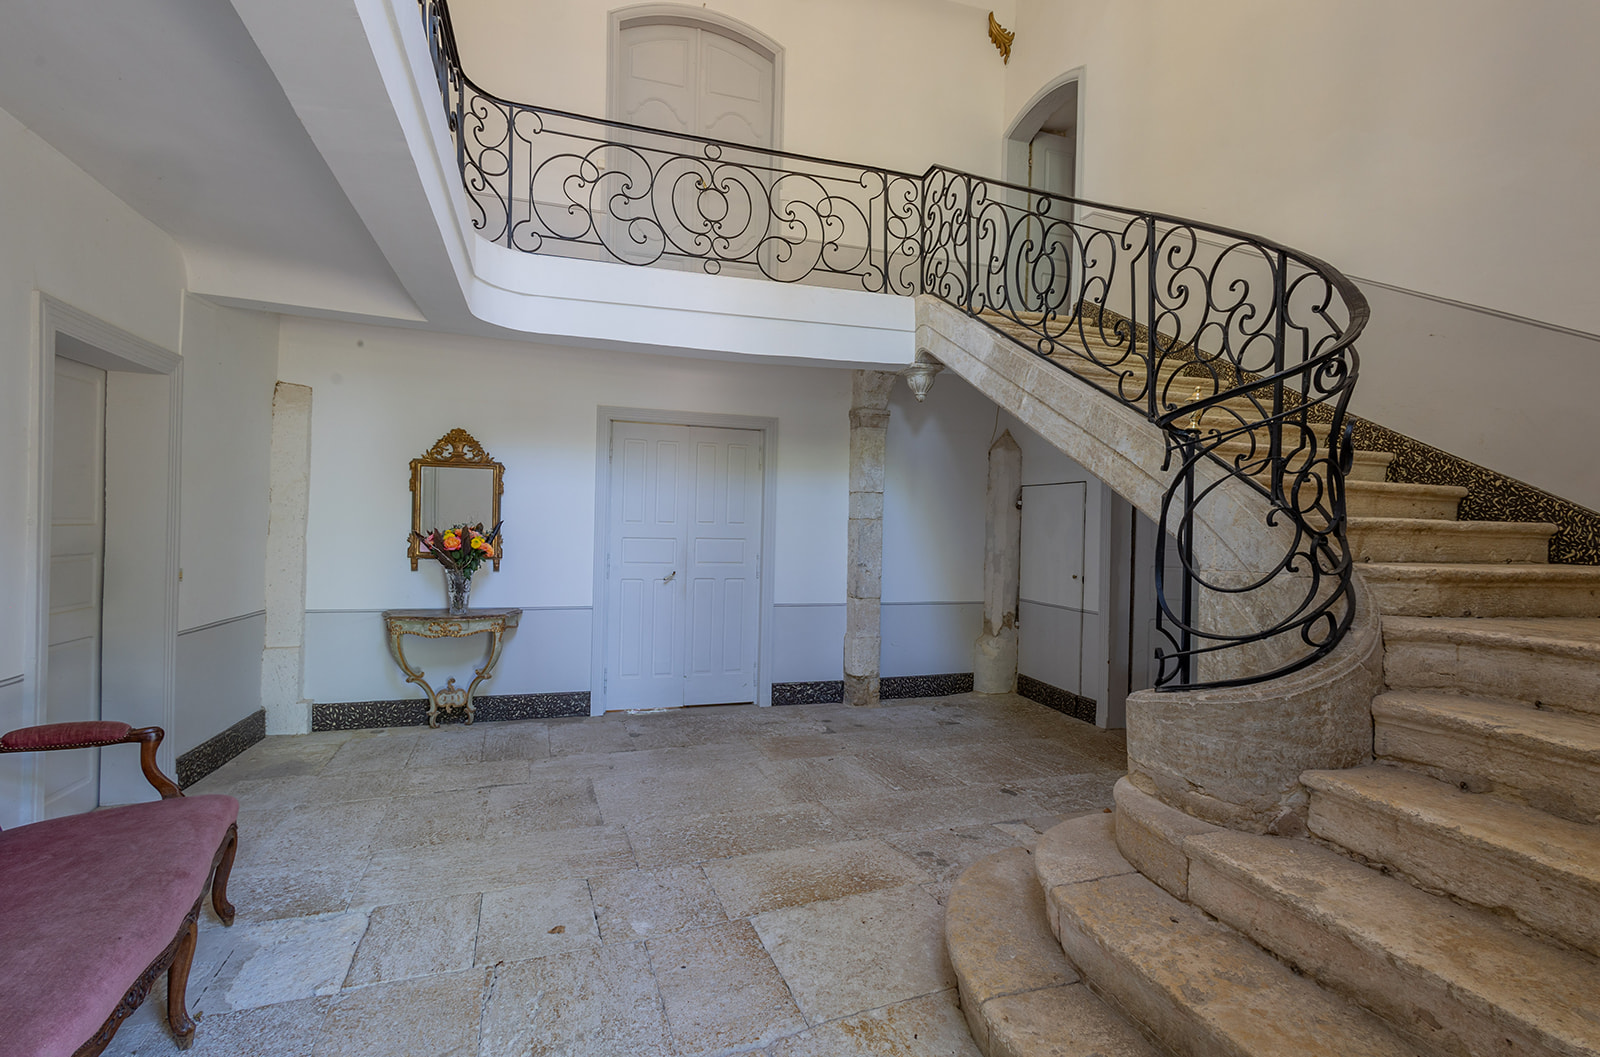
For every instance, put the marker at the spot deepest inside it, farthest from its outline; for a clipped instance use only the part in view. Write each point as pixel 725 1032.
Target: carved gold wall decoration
pixel 1002 38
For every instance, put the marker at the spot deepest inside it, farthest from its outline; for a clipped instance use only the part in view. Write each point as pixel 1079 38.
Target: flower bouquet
pixel 460 549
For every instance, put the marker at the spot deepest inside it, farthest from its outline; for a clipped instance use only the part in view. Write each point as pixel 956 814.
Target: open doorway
pixel 1043 146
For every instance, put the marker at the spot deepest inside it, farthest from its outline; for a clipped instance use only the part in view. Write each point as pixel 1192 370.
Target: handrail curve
pixel 1239 348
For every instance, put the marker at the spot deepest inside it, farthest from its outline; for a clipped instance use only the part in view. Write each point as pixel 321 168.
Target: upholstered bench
pixel 94 906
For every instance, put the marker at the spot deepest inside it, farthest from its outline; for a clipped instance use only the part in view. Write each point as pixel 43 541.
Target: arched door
pixel 681 76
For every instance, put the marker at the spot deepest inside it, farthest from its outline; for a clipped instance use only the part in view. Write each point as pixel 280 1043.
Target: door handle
pixel 667 579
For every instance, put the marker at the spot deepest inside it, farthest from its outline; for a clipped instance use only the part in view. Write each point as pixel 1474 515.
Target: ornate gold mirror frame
pixel 455 449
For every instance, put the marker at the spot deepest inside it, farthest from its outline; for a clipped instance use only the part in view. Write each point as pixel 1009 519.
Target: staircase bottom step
pixel 1196 986
pixel 1020 995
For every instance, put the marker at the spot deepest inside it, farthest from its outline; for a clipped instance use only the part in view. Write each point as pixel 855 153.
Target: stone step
pixel 1392 499
pixel 1020 995
pixel 1553 661
pixel 1451 978
pixel 1196 987
pixel 1365 466
pixel 1543 870
pixel 1545 759
pixel 1396 539
pixel 1441 589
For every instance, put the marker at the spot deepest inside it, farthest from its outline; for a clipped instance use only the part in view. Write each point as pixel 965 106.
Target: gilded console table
pixel 439 624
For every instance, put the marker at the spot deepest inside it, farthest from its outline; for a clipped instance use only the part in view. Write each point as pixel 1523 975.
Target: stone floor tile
pixel 288 1029
pixel 422 821
pixel 404 876
pixel 284 960
pixel 276 891
pixel 430 1016
pixel 1071 794
pixel 372 751
pixel 640 904
pixel 801 746
pixel 321 833
pixel 541 803
pixel 520 740
pixel 598 1002
pixel 902 770
pixel 823 778
pixel 944 808
pixel 449 747
pixel 752 884
pixel 675 729
pixel 427 780
pixel 280 757
pixel 946 852
pixel 532 921
pixel 570 737
pixel 721 990
pixel 653 794
pixel 676 840
pixel 932 1026
pixel 849 955
pixel 415 939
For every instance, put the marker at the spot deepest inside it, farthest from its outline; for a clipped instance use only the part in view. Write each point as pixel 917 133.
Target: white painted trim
pixel 685 15
pixel 768 427
pixel 111 348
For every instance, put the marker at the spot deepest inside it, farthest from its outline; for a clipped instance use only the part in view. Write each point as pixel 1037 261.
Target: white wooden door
pixel 691 79
pixel 683 566
pixel 1055 585
pixel 77 549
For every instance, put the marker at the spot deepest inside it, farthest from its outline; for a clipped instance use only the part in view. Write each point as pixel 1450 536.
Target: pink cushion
pixel 87 902
pixel 64 736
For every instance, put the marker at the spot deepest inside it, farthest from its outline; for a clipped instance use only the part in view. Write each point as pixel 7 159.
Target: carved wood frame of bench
pixel 178 956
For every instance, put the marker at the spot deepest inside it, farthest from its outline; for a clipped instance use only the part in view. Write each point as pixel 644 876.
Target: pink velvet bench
pixel 94 907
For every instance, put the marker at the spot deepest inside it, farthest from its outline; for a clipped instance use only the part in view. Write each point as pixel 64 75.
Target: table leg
pixel 483 673
pixel 398 652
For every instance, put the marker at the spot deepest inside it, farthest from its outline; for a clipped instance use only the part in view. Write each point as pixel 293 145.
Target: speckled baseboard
pixel 891 688
pixel 491 708
pixel 1064 701
pixel 209 755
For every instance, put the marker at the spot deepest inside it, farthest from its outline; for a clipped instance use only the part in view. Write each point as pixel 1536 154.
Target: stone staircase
pixel 1445 899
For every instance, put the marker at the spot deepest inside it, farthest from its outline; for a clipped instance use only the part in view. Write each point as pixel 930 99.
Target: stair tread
pixel 1531 528
pixel 1498 976
pixel 1498 572
pixel 1020 995
pixel 1570 734
pixel 1571 636
pixel 1486 822
pixel 1405 488
pixel 1196 977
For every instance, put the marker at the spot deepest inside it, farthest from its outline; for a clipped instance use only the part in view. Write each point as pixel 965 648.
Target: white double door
pixel 683 566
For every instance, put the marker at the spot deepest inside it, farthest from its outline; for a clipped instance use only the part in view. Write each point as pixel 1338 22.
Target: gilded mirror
pixel 455 482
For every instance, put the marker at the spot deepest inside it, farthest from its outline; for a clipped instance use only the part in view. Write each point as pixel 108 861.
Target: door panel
pixel 683 591
pixel 76 581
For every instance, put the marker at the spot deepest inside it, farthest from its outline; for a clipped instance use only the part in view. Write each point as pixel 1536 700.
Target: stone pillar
pixel 869 426
pixel 994 668
pixel 289 493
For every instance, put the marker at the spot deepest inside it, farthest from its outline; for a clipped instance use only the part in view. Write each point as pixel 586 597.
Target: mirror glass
pixel 455 482
pixel 457 495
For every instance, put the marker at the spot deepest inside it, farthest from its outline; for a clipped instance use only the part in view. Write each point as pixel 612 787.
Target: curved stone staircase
pixel 1446 899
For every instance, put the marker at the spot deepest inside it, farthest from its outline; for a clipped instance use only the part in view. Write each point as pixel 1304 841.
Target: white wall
pixel 1440 146
pixel 896 83
pixel 64 234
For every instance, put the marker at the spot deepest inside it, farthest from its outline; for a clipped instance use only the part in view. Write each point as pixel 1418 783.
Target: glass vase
pixel 457 590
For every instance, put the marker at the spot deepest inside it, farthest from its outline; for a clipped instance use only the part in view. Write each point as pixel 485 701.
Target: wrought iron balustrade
pixel 1240 349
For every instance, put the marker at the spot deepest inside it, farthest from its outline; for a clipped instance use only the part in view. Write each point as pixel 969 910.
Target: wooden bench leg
pixel 178 986
pixel 219 876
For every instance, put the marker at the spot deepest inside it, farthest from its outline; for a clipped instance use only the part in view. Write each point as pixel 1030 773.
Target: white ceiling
pixel 170 105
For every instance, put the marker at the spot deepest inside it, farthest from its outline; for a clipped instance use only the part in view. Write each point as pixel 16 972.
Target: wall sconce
pixel 919 376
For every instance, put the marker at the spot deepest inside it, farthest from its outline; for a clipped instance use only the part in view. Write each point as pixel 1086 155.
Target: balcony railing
pixel 1240 349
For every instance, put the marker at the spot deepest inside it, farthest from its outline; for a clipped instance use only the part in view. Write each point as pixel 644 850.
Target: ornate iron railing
pixel 1240 349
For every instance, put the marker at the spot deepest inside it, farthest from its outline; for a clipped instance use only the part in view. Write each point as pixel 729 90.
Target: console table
pixel 439 624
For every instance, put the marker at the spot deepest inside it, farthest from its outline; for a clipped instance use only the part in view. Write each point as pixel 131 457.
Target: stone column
pixel 869 426
pixel 994 668
pixel 289 492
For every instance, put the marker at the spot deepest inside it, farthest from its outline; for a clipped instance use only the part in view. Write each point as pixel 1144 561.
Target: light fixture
pixel 919 376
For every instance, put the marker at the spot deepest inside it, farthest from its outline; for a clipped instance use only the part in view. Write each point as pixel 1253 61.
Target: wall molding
pixel 214 752
pixel 413 712
pixel 890 688
pixel 1064 701
pixel 223 622
pixel 15 680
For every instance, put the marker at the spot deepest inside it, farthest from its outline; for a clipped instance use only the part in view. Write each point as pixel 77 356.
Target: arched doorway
pixel 1042 146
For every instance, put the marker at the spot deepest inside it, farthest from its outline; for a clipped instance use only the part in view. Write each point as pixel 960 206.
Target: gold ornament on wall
pixel 1002 38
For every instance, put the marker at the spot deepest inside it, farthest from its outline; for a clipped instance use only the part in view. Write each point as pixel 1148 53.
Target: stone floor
pixel 705 881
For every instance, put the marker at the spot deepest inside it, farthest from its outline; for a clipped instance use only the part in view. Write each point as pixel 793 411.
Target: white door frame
pixel 768 428
pixel 1031 118
pixel 143 638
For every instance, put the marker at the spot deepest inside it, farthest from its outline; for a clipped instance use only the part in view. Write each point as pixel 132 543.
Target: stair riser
pixel 1554 903
pixel 1565 787
pixel 1505 672
pixel 1396 992
pixel 1359 503
pixel 1441 598
pixel 1383 543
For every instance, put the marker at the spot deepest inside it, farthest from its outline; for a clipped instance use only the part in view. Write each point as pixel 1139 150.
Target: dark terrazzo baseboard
pixel 890 688
pixel 1064 701
pixel 491 708
pixel 209 755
